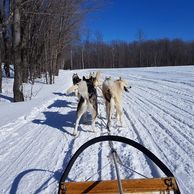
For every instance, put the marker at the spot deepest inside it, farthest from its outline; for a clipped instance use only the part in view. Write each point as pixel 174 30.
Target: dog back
pixel 107 86
pixel 113 89
pixel 91 91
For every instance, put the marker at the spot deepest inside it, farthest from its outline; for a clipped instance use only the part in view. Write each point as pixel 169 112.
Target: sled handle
pixel 130 142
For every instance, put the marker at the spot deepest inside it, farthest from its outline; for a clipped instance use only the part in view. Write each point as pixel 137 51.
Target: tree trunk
pixel 17 87
pixel 0 75
pixel 83 65
pixel 1 51
pixel 113 57
pixel 71 59
pixel 59 64
pixel 24 65
pixel 6 69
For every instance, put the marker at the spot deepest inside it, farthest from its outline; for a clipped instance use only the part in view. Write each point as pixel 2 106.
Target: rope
pixel 97 172
pixel 120 162
pixel 114 155
pixel 119 159
pixel 116 159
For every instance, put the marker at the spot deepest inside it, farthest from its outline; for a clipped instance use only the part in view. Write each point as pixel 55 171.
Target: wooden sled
pixel 166 185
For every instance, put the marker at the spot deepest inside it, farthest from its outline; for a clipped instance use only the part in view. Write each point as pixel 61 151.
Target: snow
pixel 36 139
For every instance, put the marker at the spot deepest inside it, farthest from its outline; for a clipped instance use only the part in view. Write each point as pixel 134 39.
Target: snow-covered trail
pixel 158 113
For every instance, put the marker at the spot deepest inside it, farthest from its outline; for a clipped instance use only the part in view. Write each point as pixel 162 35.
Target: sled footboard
pixel 135 186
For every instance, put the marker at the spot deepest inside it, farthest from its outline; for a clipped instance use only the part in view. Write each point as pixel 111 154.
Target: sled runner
pixel 165 185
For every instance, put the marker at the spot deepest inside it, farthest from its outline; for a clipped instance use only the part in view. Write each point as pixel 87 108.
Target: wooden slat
pixel 129 186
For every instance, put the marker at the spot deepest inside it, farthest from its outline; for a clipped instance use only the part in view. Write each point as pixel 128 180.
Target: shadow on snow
pixel 56 119
pixel 20 176
pixel 6 97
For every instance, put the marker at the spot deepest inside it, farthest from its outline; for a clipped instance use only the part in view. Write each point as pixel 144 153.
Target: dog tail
pixel 97 81
pixel 98 74
pixel 83 89
pixel 108 95
pixel 71 89
pixel 106 88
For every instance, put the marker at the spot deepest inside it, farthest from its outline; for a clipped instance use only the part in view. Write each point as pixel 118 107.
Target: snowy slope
pixel 36 139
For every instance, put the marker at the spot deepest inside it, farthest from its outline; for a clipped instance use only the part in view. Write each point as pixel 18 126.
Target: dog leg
pixel 81 110
pixel 107 104
pixel 94 115
pixel 76 92
pixel 110 112
pixel 85 118
pixel 119 114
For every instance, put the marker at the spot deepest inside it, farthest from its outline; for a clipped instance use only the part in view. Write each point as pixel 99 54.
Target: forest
pixel 39 37
pixel 139 53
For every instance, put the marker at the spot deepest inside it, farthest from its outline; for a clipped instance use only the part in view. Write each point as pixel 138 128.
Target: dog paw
pixel 92 130
pixel 75 133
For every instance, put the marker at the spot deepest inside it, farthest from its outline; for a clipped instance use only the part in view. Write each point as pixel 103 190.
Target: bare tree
pixel 1 47
pixel 4 58
pixel 17 87
pixel 140 35
pixel 161 52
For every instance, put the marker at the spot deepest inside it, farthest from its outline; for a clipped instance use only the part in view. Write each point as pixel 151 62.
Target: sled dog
pixel 75 78
pixel 96 77
pixel 87 101
pixel 74 88
pixel 112 92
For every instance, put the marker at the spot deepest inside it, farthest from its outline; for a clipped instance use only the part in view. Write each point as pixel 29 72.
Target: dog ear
pixel 120 79
pixel 108 78
pixel 98 73
pixel 125 88
pixel 84 78
pixel 72 89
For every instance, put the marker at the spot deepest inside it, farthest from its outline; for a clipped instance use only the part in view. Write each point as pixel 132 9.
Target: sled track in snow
pixel 167 123
pixel 168 126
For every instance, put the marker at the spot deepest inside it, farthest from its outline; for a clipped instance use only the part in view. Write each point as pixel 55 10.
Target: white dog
pixel 74 87
pixel 75 79
pixel 87 97
pixel 87 101
pixel 112 92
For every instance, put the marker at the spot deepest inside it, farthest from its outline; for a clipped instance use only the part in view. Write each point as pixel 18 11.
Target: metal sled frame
pixel 136 186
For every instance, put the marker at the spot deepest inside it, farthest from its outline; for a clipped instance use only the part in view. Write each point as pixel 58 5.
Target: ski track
pixel 168 123
pixel 165 124
pixel 154 139
pixel 154 116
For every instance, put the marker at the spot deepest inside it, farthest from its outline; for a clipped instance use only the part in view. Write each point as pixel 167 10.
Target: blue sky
pixel 122 19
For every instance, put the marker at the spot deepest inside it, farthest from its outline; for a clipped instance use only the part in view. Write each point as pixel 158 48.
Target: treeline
pixel 39 37
pixel 100 54
pixel 36 36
